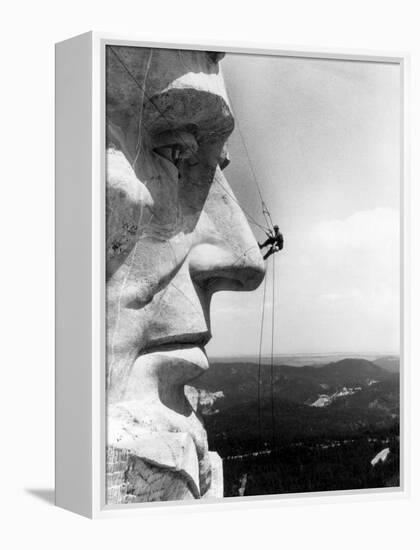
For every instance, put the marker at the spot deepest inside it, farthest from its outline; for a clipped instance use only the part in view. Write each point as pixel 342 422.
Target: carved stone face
pixel 175 236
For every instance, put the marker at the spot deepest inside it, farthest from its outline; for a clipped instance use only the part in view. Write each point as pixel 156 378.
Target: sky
pixel 323 137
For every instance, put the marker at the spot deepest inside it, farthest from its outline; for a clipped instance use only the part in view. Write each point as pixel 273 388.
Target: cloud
pixel 357 258
pixel 374 230
pixel 337 289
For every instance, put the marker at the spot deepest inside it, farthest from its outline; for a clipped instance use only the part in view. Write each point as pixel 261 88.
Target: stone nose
pixel 226 255
pixel 215 267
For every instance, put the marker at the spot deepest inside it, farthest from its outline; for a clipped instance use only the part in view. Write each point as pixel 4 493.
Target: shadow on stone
pixel 47 495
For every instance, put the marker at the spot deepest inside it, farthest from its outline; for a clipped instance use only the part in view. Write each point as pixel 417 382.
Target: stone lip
pixel 180 341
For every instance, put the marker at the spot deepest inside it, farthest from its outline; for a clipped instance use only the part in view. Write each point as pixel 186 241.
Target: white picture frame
pixel 80 268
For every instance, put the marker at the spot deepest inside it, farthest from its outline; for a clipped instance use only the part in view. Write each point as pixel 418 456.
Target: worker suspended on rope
pixel 275 239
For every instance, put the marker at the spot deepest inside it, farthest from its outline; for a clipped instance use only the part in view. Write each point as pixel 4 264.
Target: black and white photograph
pixel 210 219
pixel 253 230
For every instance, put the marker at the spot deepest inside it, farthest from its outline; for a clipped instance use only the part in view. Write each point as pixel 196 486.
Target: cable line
pixel 273 418
pixel 265 211
pixel 259 366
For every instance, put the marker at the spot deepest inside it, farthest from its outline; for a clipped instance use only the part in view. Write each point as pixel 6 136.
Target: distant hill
pixel 239 381
pixel 364 396
pixel 305 359
pixel 389 362
pixel 383 398
pixel 329 421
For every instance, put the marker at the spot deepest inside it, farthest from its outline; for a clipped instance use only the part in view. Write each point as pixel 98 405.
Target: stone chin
pixel 158 425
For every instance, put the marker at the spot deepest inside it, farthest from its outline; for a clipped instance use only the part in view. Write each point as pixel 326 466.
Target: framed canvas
pixel 230 283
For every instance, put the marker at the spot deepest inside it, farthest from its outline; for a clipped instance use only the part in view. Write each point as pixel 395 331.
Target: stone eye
pixel 175 146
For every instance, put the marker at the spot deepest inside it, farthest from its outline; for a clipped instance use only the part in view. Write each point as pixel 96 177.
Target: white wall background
pixel 29 30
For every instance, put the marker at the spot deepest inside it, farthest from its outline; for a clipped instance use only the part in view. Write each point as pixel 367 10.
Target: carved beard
pixel 161 428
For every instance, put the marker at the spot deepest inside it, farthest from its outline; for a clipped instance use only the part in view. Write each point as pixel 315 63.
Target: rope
pixel 266 214
pixel 139 139
pixel 265 211
pixel 269 222
pixel 259 366
pixel 273 419
pixel 247 215
pixel 150 100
